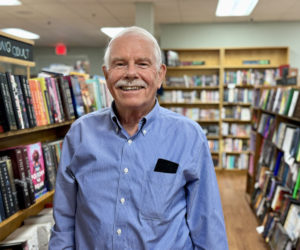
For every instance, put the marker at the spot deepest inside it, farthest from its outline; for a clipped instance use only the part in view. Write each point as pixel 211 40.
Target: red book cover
pixel 37 168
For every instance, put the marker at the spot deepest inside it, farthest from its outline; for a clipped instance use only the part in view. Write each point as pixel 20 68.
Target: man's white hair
pixel 135 31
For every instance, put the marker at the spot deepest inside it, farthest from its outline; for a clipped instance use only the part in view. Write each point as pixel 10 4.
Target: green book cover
pixel 296 188
pixel 288 102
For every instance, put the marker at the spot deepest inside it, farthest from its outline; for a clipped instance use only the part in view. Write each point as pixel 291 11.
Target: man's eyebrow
pixel 117 59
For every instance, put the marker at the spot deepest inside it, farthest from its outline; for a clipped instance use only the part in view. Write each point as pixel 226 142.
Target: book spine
pixel 6 188
pixel 15 101
pixel 35 101
pixel 46 100
pixel 27 101
pixel 41 103
pixel 67 90
pixel 52 105
pixel 22 101
pixel 12 181
pixel 49 167
pixel 59 102
pixel 2 209
pixel 28 175
pixel 7 104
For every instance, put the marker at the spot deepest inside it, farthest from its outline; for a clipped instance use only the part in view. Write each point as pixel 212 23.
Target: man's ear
pixel 105 71
pixel 162 74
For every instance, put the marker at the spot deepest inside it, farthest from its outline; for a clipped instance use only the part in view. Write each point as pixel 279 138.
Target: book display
pixel 273 177
pixel 216 88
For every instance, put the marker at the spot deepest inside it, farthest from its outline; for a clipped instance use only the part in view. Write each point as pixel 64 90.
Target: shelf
pixel 207 121
pixel 194 104
pixel 194 67
pixel 236 104
pixel 236 136
pixel 33 130
pixel 214 152
pixel 190 88
pixel 282 116
pixel 10 224
pixel 33 135
pixel 236 120
pixel 212 137
pixel 251 66
pixel 16 61
pixel 236 153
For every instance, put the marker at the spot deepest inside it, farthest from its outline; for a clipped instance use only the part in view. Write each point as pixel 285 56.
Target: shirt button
pixel 122 200
pixel 144 131
pixel 125 170
pixel 119 231
pixel 129 141
pixel 117 130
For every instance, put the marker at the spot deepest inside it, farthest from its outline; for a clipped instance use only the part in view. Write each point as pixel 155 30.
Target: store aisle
pixel 240 221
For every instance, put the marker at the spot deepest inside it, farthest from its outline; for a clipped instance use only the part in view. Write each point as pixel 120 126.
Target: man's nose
pixel 131 72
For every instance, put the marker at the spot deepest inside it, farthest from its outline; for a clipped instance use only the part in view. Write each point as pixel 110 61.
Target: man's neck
pixel 130 118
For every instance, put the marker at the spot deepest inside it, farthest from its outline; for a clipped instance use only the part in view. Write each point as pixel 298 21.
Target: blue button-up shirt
pixel 108 195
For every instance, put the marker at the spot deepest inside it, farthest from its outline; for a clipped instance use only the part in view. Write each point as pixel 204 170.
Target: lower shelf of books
pixel 13 222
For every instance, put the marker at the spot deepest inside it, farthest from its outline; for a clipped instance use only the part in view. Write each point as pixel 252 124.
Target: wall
pixel 234 35
pixel 44 56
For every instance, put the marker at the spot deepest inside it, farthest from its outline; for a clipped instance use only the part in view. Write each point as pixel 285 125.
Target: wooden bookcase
pixel 219 61
pixel 23 137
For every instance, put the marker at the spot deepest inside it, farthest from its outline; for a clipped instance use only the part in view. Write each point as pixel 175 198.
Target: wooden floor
pixel 239 219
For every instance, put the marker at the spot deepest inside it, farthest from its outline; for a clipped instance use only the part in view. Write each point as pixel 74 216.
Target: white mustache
pixel 136 83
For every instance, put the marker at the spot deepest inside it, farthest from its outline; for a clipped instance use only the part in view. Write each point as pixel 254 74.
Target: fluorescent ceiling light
pixel 9 2
pixel 111 31
pixel 21 33
pixel 235 7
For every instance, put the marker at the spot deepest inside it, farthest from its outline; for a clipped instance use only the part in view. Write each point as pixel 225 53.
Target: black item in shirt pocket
pixel 166 166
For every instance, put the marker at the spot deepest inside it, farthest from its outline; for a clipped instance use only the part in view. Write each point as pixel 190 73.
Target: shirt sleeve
pixel 62 234
pixel 204 210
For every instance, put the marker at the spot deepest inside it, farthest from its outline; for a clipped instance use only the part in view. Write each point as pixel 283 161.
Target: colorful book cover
pixel 37 168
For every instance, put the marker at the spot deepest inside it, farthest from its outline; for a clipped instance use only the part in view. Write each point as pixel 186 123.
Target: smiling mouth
pixel 130 88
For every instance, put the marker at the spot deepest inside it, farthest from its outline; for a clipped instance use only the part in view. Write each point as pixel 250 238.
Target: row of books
pixel 210 130
pixel 235 145
pixel 47 100
pixel 286 137
pixel 26 173
pixel 284 101
pixel 236 129
pixel 213 145
pixel 236 112
pixel 238 95
pixel 193 81
pixel 276 199
pixel 252 77
pixel 235 161
pixel 194 96
pixel 171 58
pixel 196 113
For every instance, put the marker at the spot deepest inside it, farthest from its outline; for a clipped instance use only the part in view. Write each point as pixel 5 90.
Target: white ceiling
pixel 78 22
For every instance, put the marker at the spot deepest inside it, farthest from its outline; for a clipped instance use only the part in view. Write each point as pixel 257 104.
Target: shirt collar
pixel 144 122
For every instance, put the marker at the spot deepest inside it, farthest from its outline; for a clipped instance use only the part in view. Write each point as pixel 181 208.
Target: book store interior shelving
pixel 23 137
pixel 218 61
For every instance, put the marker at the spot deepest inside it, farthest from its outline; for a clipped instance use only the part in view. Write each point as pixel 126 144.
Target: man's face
pixel 132 77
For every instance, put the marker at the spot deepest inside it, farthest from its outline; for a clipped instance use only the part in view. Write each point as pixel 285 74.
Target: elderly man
pixel 136 175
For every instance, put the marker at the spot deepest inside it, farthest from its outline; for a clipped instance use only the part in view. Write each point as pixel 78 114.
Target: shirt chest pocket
pixel 158 194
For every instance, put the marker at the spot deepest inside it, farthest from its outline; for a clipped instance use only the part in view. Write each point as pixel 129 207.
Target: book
pixel 49 167
pixel 292 221
pixel 6 109
pixel 46 100
pixel 88 96
pixel 278 197
pixel 66 97
pixel 37 168
pixel 37 102
pixel 22 101
pixel 76 96
pixel 13 90
pixel 15 155
pixel 2 210
pixel 5 188
pixel 53 105
pixel 61 115
pixel 12 181
pixel 293 103
pixel 28 100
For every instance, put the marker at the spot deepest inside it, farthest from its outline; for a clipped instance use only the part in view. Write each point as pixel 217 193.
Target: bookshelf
pixel 273 176
pixel 25 136
pixel 185 81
